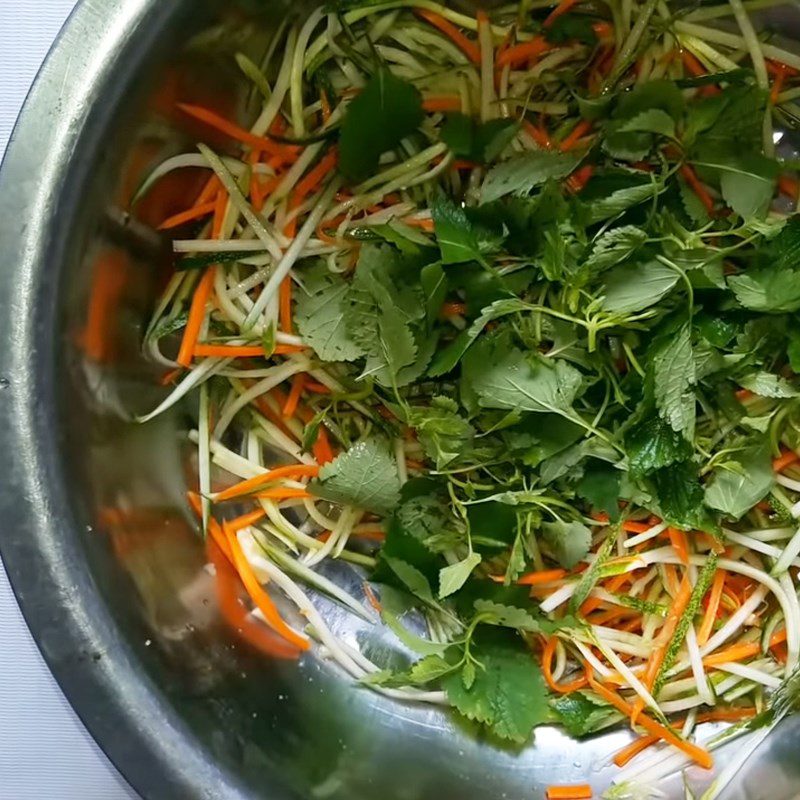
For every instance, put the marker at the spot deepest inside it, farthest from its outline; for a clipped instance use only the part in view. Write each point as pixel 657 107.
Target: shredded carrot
pixel 196 212
pixel 789 186
pixel 692 64
pixel 454 309
pixel 785 459
pixel 315 176
pixel 197 314
pixel 577 792
pixel 234 613
pixel 689 175
pixel 209 191
pixel 777 86
pixel 317 388
pixel 593 603
pixel 543 576
pixel 562 8
pixel 285 300
pixel 633 749
pixel 547 671
pixel 680 545
pixel 321 448
pixel 570 141
pixel 538 133
pixel 370 535
pixel 726 714
pixel 779 68
pixel 696 753
pixel 214 527
pixel 524 52
pixel 372 598
pixel 292 401
pixel 603 30
pixel 220 207
pixel 715 595
pixel 442 103
pixel 737 652
pixel 254 484
pixel 169 377
pixel 423 223
pixel 470 49
pixel 631 526
pixel 578 180
pixel 246 520
pixel 284 494
pixel 242 351
pixel 232 130
pixel 257 594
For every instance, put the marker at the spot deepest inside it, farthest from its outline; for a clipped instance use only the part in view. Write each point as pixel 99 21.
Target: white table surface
pixel 45 752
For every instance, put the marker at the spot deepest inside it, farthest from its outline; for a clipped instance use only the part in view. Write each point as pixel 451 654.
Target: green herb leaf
pixel 652 444
pixel 508 694
pixel 480 142
pixel 568 541
pixel 582 714
pixel 735 490
pixel 680 497
pixel 522 173
pixel 673 378
pixel 766 384
pixel 452 578
pixel 387 110
pixel 321 312
pixel 444 434
pixel 600 486
pixel 630 288
pixel 455 234
pixel 364 476
pixel 772 290
pixel 613 246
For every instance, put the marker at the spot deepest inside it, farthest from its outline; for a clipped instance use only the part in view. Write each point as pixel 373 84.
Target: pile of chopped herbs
pixel 514 298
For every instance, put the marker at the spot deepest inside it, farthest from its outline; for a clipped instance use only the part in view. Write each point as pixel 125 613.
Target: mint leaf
pixel 522 173
pixel 443 434
pixel 772 290
pixel 413 579
pixel 515 380
pixel 634 287
pixel 673 378
pixel 433 280
pixel 582 714
pixel 766 384
pixel 735 490
pixel 393 606
pixel 747 183
pixel 507 694
pixel 508 616
pixel 455 234
pixel 568 541
pixel 364 476
pixel 321 313
pixel 620 200
pixel 452 578
pixel 600 486
pixel 387 110
pixel 680 497
pixel 652 444
pixel 480 142
pixel 613 246
pixel 429 669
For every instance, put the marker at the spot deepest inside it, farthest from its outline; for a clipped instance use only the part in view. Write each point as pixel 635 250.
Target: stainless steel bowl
pixel 95 535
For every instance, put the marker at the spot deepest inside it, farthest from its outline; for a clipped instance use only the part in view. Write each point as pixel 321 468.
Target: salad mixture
pixel 502 311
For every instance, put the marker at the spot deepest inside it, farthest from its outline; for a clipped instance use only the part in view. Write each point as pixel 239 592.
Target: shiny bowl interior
pixel 97 539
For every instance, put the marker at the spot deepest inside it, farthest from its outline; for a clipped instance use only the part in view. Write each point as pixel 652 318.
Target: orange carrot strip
pixel 209 191
pixel 631 526
pixel 372 598
pixel 312 180
pixel 454 309
pixel 633 749
pixel 220 207
pixel 696 753
pixel 196 212
pixel 284 494
pixel 604 30
pixel 576 792
pixel 578 180
pixel 242 351
pixel 254 484
pixel 778 68
pixel 292 401
pixel 777 86
pixel 737 652
pixel 285 300
pixel 789 186
pixel 169 377
pixel 442 103
pixel 467 46
pixel 726 714
pixel 322 450
pixel 593 603
pixel 569 142
pixel 562 8
pixel 197 313
pixel 317 388
pixel 257 594
pixel 689 175
pixel 214 527
pixel 234 613
pixel 524 52
pixel 223 125
pixel 785 459
pixel 538 133
pixel 547 671
pixel 680 545
pixel 714 597
pixel 543 576
pixel 246 520
pixel 692 64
